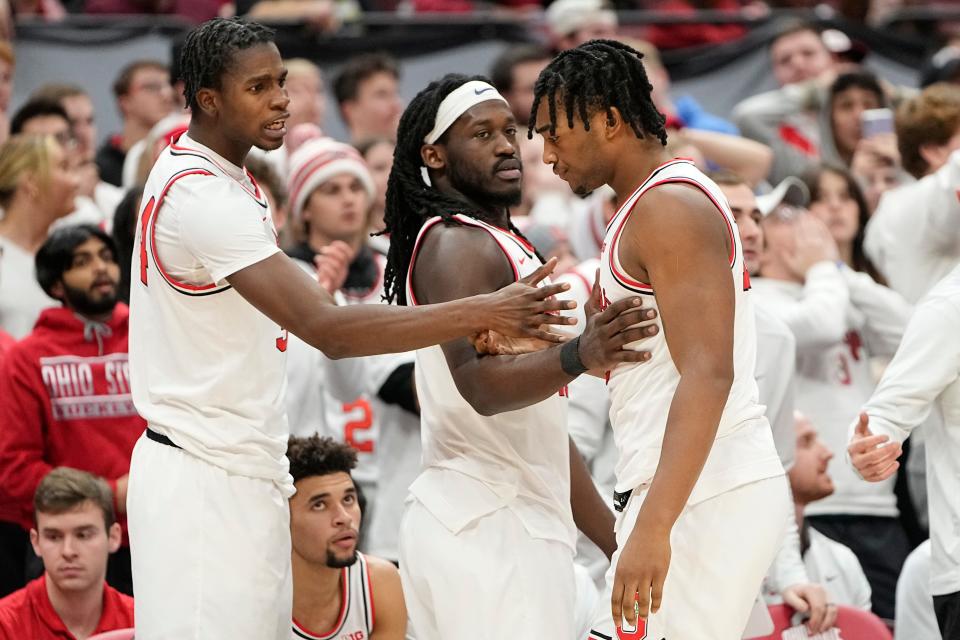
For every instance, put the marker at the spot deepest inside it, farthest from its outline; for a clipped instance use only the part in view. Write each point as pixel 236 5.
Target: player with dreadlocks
pixel 699 484
pixel 502 486
pixel 211 302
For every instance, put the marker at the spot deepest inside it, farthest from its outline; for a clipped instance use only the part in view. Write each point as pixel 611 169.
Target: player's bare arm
pixel 678 241
pixel 590 511
pixel 495 384
pixel 286 294
pixel 391 609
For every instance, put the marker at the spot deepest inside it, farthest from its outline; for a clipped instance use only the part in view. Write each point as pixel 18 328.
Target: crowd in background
pixel 844 186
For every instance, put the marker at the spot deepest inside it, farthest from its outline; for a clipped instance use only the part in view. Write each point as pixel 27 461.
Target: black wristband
pixel 570 360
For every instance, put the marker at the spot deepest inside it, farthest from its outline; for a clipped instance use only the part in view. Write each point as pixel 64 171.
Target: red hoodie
pixel 65 401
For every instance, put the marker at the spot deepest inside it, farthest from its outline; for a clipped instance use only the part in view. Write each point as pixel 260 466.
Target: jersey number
pixel 362 423
pixel 144 225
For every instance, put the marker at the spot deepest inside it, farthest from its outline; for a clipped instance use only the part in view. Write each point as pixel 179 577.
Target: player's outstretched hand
pixel 812 600
pixel 874 457
pixel 641 572
pixel 521 310
pixel 621 323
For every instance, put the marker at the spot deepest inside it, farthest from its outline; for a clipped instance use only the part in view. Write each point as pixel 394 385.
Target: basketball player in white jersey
pixel 487 539
pixel 699 484
pixel 211 303
pixel 334 585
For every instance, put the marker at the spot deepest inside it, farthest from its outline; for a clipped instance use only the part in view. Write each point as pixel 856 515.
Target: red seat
pixel 854 624
pixel 119 634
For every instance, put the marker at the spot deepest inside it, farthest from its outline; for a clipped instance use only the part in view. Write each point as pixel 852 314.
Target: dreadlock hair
pixel 208 52
pixel 599 74
pixel 410 202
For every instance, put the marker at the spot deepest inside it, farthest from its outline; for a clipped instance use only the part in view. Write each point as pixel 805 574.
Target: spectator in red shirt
pixel 74 534
pixel 64 389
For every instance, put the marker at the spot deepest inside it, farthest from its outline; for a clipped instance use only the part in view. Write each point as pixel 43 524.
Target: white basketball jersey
pixel 356 620
pixel 473 464
pixel 207 368
pixel 641 394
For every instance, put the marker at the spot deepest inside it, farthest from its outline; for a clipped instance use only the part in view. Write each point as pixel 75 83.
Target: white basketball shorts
pixel 720 550
pixel 210 550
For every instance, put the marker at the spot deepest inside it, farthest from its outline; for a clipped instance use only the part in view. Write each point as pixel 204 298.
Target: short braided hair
pixel 209 49
pixel 410 202
pixel 599 74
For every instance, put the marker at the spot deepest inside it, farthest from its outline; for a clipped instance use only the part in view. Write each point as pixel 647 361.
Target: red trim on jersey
pixel 468 222
pixel 529 248
pixel 344 602
pixel 256 194
pixel 480 224
pixel 413 256
pixel 642 185
pixel 256 187
pixel 733 238
pixel 369 584
pixel 145 217
pixel 153 235
pixel 627 280
pixel 623 278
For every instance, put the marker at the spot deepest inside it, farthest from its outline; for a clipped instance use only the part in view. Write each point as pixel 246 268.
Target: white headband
pixel 457 102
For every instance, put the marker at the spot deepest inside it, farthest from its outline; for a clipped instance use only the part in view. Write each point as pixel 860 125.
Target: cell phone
pixel 874 122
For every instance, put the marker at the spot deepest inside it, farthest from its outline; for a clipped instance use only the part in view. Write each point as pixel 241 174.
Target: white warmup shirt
pixel 840 320
pixel 21 298
pixel 474 465
pixel 776 366
pixel 207 368
pixel 641 394
pixel 835 567
pixel 913 237
pixel 916 618
pixel 925 375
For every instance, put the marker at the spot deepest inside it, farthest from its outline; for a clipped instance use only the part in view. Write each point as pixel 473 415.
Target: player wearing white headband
pixel 487 539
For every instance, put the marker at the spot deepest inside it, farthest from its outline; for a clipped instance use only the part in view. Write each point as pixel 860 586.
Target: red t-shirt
pixel 28 613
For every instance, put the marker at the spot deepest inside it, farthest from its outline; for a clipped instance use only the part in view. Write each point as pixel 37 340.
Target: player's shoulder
pixel 450 241
pixel 379 567
pixel 384 579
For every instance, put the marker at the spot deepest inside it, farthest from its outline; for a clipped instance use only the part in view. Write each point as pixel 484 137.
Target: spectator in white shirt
pixel 923 375
pixel 37 187
pixel 913 237
pixel 776 357
pixel 828 562
pixel 916 619
pixel 840 320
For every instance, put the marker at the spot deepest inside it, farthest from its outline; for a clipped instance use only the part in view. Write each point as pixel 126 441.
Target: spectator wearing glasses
pixel 144 96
